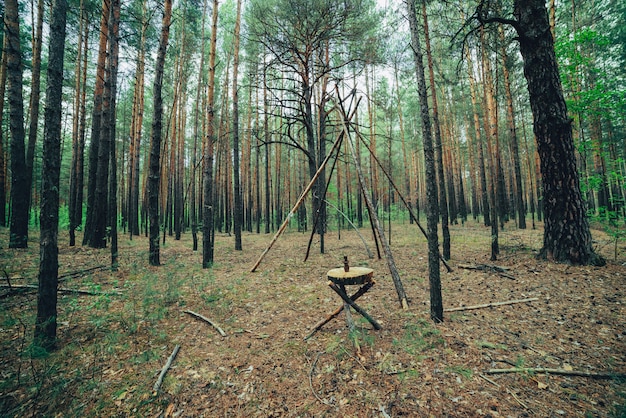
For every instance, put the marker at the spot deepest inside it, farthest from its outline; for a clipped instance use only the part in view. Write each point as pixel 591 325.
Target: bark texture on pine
pixel 443 199
pixel 432 206
pixel 35 94
pixel 154 175
pixel 566 227
pixel 94 144
pixel 208 228
pixel 46 324
pixel 78 137
pixel 3 81
pixel 19 190
pixel 238 210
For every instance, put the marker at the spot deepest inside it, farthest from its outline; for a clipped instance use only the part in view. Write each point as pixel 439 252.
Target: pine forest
pixel 188 188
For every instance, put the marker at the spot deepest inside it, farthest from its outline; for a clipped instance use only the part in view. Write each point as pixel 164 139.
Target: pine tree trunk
pixel 112 198
pixel 76 143
pixel 510 115
pixel 155 143
pixel 208 228
pixel 19 189
pixel 101 197
pixel 35 94
pixel 3 84
pixel 491 128
pixel 136 130
pixel 566 228
pixel 46 322
pixel 484 197
pixel 432 209
pixel 94 151
pixel 443 200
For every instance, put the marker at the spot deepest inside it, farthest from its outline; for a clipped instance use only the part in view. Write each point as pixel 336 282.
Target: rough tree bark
pixel 208 228
pixel 96 117
pixel 443 200
pixel 238 215
pixel 432 209
pixel 566 228
pixel 35 94
pixel 3 84
pixel 19 190
pixel 154 176
pixel 46 323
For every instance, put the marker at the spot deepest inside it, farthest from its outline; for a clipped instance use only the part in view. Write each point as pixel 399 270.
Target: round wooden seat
pixel 355 275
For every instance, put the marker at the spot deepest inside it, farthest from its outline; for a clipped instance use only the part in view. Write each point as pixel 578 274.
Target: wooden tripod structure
pixel 346 118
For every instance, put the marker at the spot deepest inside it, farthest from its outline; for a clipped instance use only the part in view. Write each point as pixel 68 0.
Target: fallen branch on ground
pixel 164 370
pixel 502 271
pixel 488 305
pixel 560 372
pixel 79 273
pixel 208 321
pixel 62 289
pixel 323 401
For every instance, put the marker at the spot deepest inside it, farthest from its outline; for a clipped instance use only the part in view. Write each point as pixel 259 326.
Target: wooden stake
pixel 208 321
pixel 488 305
pixel 167 366
pixel 372 212
pixel 298 203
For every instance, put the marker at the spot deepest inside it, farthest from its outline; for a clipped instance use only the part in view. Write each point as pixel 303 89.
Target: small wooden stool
pixel 338 279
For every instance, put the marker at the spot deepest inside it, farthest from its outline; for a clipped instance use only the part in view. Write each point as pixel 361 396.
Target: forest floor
pixel 113 344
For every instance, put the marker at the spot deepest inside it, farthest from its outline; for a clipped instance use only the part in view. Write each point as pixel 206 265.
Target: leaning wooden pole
pixel 372 212
pixel 404 201
pixel 299 202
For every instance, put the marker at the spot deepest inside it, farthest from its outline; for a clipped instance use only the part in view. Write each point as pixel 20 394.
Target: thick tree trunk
pixel 19 187
pixel 566 228
pixel 46 323
pixel 432 209
pixel 154 176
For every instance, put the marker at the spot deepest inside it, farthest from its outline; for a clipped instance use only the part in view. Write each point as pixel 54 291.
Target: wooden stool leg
pixel 346 309
pixel 356 307
pixel 337 311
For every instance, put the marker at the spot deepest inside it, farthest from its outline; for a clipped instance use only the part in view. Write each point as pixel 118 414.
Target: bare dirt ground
pixel 112 346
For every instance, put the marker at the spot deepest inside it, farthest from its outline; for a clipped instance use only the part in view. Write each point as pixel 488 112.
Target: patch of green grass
pixel 419 337
pixel 461 371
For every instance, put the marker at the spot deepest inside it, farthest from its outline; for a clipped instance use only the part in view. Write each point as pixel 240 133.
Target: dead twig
pixel 6 275
pixel 164 370
pixel 560 372
pixel 79 273
pixel 519 401
pixel 488 305
pixel 311 380
pixel 208 321
pixel 63 289
pixel 502 271
pixel 489 380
